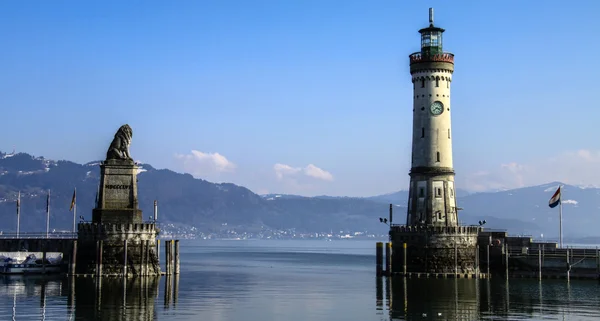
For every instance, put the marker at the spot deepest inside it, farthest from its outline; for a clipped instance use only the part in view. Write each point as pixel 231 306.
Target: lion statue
pixel 119 148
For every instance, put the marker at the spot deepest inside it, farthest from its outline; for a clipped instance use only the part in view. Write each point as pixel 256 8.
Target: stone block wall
pixel 435 249
pixel 142 258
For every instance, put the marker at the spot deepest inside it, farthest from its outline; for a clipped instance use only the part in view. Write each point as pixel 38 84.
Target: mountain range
pixel 190 202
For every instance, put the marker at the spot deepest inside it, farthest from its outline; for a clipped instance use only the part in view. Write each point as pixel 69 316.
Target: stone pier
pixel 116 219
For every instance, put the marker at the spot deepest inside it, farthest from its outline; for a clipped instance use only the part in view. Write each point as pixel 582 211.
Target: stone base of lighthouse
pixel 434 249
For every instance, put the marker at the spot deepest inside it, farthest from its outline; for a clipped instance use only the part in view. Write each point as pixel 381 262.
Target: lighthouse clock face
pixel 437 108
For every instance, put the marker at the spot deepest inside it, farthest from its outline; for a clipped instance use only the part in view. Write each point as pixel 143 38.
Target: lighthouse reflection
pixel 439 299
pixel 469 299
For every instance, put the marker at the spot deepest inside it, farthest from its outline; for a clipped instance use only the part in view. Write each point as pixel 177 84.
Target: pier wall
pixel 434 249
pixel 142 258
pixel 62 245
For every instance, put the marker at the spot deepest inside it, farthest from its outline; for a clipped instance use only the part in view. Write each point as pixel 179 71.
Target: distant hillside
pixel 183 200
pixel 187 201
pixel 401 197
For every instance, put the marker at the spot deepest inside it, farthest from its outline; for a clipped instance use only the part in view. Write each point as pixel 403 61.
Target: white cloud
pixel 201 164
pixel 283 171
pixel 313 171
pixel 578 167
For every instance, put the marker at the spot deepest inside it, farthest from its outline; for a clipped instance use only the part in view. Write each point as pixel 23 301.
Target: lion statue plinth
pixel 119 148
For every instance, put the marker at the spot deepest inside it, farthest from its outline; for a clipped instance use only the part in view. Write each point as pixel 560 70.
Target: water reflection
pixel 116 298
pixel 463 299
pixel 85 298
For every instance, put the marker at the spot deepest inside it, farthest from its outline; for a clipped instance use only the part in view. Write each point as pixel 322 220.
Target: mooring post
pixel 379 293
pixel 506 259
pixel 124 259
pixel 44 247
pixel 404 259
pixel 176 257
pixel 74 258
pixel 540 260
pixel 168 257
pixel 158 250
pixel 477 261
pixel 388 258
pixel 487 254
pixel 379 258
pixel 100 258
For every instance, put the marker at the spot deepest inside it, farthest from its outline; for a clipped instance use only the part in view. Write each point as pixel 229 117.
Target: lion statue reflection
pixel 119 148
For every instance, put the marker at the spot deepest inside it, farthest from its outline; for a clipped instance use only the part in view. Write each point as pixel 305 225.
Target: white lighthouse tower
pixel 432 199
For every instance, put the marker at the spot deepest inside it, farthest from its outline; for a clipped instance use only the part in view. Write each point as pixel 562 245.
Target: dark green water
pixel 292 280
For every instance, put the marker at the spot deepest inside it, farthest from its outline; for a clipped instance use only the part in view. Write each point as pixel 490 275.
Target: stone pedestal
pixel 435 249
pixel 117 198
pixel 117 219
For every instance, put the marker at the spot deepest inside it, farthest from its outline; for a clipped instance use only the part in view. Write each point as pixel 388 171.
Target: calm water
pixel 292 280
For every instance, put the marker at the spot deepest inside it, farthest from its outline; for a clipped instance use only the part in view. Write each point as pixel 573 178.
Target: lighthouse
pixel 432 197
pixel 432 242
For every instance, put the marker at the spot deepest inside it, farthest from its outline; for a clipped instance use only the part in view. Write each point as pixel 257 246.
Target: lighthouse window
pixel 438 156
pixel 448 85
pixel 422 132
pixel 422 82
pixel 438 192
pixel 437 82
pixel 421 192
pixel 451 192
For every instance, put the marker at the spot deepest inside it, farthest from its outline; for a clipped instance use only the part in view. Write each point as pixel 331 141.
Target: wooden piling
pixel 379 258
pixel 125 259
pixel 158 250
pixel 487 254
pixel 176 258
pixel 168 260
pixel 477 261
pixel 506 259
pixel 388 258
pixel 99 263
pixel 404 258
pixel 44 248
pixel 73 258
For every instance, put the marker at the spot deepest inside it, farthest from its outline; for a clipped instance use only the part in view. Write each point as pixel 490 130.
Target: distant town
pixel 170 231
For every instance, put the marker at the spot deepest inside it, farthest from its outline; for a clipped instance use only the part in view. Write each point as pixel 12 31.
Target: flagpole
pixel 18 213
pixel 560 217
pixel 48 214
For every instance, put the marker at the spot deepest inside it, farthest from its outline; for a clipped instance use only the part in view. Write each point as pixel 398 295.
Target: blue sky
pixel 307 97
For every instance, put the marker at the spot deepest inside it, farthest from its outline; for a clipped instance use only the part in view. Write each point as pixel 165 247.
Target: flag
pixel 73 200
pixel 555 200
pixel 19 203
pixel 48 202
